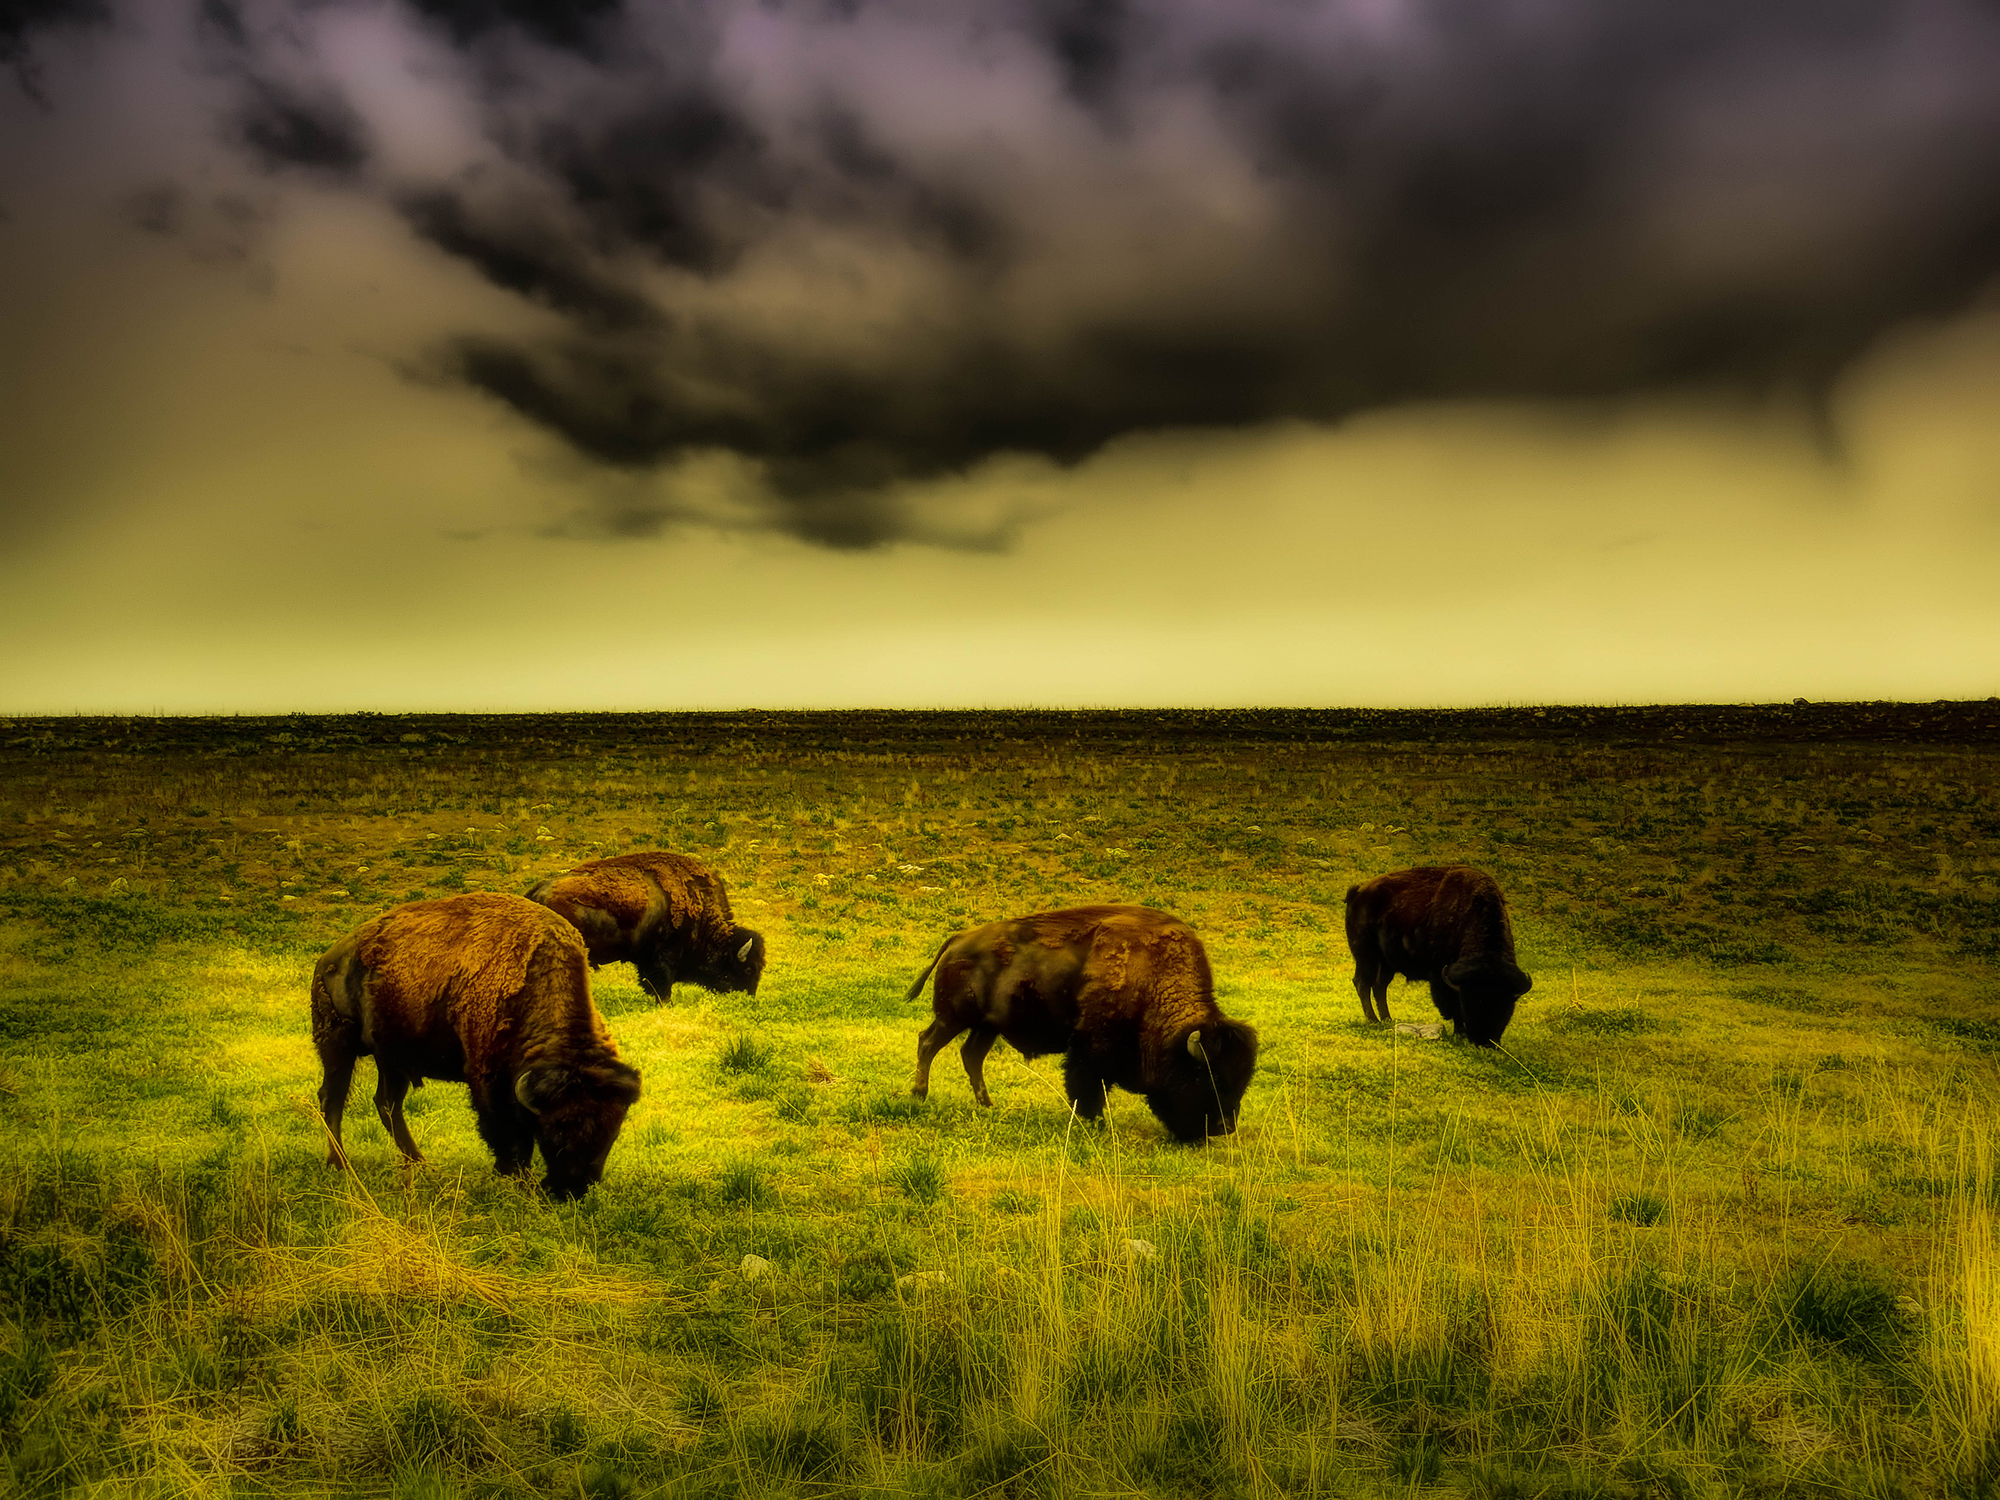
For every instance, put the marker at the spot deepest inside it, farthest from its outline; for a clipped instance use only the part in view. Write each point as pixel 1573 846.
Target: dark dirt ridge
pixel 1944 722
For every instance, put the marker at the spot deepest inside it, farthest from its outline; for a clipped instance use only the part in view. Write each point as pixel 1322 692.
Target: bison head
pixel 1486 989
pixel 579 1110
pixel 736 964
pixel 1208 1068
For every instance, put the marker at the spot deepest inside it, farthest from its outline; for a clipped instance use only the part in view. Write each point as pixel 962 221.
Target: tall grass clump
pixel 920 1178
pixel 1962 1326
pixel 744 1054
pixel 1840 1304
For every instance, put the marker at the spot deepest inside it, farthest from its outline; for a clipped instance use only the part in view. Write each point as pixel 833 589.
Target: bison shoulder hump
pixel 480 942
pixel 622 894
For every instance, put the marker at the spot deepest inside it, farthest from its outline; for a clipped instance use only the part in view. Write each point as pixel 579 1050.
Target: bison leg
pixel 390 1086
pixel 336 1078
pixel 1364 986
pixel 1382 993
pixel 930 1042
pixel 1373 987
pixel 510 1133
pixel 973 1054
pixel 338 1042
pixel 1082 1082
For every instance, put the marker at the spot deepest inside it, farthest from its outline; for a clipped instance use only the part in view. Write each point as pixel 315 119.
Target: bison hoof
pixel 984 1101
pixel 919 1091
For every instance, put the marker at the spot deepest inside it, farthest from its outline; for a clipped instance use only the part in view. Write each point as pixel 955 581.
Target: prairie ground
pixel 1719 1220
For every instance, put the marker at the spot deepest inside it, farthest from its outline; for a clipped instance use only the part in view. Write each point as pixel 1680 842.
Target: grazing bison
pixel 1122 991
pixel 1444 923
pixel 486 990
pixel 668 914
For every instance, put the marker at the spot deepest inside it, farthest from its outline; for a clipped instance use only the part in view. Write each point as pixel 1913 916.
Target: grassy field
pixel 1721 1220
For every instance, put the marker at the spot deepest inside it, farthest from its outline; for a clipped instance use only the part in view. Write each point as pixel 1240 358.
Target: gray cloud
pixel 866 244
pixel 20 20
pixel 217 228
pixel 282 127
pixel 284 116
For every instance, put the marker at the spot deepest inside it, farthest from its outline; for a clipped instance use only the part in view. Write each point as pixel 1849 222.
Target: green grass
pixel 1720 1220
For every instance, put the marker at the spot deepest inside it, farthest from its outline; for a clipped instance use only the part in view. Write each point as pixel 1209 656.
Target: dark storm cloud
pixel 285 116
pixel 287 127
pixel 529 262
pixel 642 177
pixel 20 20
pixel 869 243
pixel 569 24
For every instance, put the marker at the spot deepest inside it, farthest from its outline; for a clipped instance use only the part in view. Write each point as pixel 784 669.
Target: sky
pixel 505 354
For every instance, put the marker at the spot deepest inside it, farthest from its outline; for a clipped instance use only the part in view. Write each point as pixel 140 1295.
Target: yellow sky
pixel 392 554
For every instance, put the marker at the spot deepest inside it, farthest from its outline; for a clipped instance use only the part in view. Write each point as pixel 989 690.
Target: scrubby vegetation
pixel 1720 1220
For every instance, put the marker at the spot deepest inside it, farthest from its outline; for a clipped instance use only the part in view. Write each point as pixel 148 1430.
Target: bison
pixel 1444 923
pixel 668 914
pixel 490 991
pixel 1123 992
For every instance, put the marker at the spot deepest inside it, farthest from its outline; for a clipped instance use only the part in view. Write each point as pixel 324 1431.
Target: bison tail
pixel 917 987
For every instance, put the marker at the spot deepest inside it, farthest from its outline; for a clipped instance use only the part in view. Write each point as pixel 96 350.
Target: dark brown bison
pixel 1123 992
pixel 665 913
pixel 1444 923
pixel 490 991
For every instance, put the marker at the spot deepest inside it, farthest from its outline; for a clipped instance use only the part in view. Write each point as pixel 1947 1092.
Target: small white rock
pixel 754 1268
pixel 1137 1250
pixel 1428 1031
pixel 917 1281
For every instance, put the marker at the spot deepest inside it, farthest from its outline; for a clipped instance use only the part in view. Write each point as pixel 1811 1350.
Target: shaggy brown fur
pixel 1446 924
pixel 665 913
pixel 486 990
pixel 1124 992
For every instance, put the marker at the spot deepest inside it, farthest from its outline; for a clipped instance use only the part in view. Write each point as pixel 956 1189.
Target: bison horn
pixel 1194 1047
pixel 743 953
pixel 522 1081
